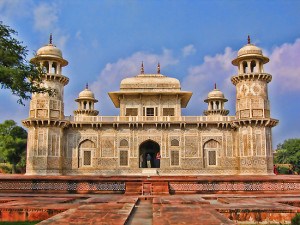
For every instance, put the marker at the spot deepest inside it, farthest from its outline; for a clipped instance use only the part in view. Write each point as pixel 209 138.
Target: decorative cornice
pixel 56 77
pixel 251 76
pixel 256 122
pixel 87 112
pixel 45 123
pixel 223 112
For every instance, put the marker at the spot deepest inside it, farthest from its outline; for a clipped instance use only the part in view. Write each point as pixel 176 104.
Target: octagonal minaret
pixel 251 83
pixel 44 106
pixel 254 137
pixel 46 116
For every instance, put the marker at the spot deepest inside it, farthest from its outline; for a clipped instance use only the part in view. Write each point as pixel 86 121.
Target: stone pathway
pixel 208 209
pixel 142 214
pixel 186 210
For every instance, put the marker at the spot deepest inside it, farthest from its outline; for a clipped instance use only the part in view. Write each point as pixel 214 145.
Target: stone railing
pixel 149 118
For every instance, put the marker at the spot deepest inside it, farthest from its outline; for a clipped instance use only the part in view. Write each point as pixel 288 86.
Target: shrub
pixel 296 219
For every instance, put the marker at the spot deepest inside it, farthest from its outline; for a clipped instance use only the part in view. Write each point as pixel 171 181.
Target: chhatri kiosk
pixel 150 122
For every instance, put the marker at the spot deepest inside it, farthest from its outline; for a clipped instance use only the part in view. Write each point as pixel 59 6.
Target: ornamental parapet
pixel 57 77
pixel 148 118
pixel 251 76
pixel 201 122
pixel 46 123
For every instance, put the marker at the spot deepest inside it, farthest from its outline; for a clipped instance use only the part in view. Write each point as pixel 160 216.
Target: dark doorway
pixel 151 148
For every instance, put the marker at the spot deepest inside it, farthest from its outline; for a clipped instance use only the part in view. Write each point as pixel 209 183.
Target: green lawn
pixel 19 222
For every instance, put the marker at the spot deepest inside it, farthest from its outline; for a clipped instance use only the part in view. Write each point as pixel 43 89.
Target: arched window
pixel 245 67
pixel 217 105
pixel 174 142
pixel 210 150
pixel 253 66
pixel 123 143
pixel 85 153
pixel 84 105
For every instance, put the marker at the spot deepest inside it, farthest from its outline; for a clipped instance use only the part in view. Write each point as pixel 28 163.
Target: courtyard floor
pixel 206 209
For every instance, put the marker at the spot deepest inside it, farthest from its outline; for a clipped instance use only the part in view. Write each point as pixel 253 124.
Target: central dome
pixel 150 81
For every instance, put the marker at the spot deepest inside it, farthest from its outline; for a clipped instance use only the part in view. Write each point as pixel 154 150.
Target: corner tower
pixel 46 116
pixel 254 140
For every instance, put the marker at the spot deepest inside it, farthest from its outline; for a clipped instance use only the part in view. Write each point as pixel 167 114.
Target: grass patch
pixel 19 222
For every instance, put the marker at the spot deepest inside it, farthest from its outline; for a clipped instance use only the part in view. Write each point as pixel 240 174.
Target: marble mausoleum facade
pixel 150 122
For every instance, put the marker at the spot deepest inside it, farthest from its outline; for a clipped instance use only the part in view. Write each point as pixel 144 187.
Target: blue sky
pixel 195 41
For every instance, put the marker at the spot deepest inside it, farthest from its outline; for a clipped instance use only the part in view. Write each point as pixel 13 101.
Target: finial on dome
pixel 86 86
pixel 50 39
pixel 248 39
pixel 158 68
pixel 215 85
pixel 142 68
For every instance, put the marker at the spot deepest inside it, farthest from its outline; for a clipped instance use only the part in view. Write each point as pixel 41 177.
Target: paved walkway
pixel 142 214
pixel 173 209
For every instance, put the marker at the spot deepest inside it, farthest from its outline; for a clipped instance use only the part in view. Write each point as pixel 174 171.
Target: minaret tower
pixel 46 116
pixel 216 100
pixel 253 120
pixel 86 101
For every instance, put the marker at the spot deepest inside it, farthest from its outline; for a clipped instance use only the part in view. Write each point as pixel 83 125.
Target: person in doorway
pixel 157 160
pixel 148 160
pixel 141 160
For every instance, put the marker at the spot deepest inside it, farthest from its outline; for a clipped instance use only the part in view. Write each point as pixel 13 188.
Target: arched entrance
pixel 148 147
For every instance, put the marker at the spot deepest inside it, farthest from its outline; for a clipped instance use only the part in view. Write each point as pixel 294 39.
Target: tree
pixel 16 73
pixel 13 142
pixel 289 153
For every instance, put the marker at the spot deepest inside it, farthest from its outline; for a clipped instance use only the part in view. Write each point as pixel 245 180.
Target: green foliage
pixel 289 153
pixel 284 170
pixel 296 220
pixel 13 142
pixel 19 222
pixel 5 169
pixel 16 74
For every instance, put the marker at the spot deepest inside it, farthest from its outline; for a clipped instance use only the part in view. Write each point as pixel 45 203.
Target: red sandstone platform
pixel 173 209
pixel 155 185
pixel 149 200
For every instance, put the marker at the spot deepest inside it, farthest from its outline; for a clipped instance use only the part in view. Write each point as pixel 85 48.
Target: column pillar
pixel 249 66
pixel 50 66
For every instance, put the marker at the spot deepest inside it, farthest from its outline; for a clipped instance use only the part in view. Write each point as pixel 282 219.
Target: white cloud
pixel 201 79
pixel 78 35
pixel 284 66
pixel 188 50
pixel 110 77
pixel 12 9
pixel 45 17
pixel 61 40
